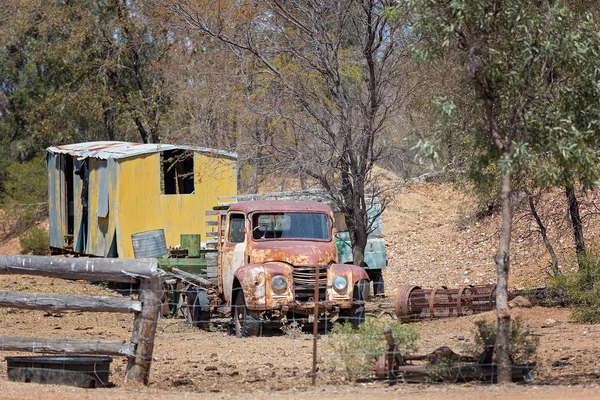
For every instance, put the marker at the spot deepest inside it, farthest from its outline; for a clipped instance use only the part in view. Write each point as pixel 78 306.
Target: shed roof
pixel 106 150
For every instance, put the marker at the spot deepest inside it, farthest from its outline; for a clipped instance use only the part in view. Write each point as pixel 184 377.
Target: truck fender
pixel 252 281
pixel 255 281
pixel 353 273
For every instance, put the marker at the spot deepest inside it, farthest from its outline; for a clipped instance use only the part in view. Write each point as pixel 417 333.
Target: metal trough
pixel 414 303
pixel 81 371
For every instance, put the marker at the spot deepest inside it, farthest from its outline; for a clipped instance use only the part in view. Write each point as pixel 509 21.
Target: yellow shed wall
pixel 140 205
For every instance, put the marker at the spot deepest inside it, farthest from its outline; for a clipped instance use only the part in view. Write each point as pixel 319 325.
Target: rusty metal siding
pixel 106 149
pixel 56 200
pixel 103 192
pixel 101 222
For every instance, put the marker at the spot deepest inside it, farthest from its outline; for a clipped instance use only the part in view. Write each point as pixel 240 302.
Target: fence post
pixel 144 331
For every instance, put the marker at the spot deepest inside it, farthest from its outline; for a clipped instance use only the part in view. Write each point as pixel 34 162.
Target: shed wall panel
pixel 56 200
pixel 101 228
pixel 143 207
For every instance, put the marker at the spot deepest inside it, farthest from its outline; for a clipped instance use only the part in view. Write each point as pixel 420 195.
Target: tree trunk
pixel 577 227
pixel 502 264
pixel 543 233
pixel 358 247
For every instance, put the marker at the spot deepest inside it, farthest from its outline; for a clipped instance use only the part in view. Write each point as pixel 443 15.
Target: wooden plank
pixel 211 212
pixel 62 302
pixel 60 346
pixel 212 223
pixel 92 269
pixel 191 278
pixel 144 331
pixel 212 272
pixel 212 234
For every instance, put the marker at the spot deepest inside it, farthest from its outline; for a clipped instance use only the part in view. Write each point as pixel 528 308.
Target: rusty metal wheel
pixel 378 283
pixel 198 308
pixel 246 323
pixel 355 315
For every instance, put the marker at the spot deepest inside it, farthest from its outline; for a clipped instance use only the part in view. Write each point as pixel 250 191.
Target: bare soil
pixel 431 242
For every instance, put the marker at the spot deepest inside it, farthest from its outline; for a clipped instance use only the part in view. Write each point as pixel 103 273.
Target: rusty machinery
pixel 442 364
pixel 414 303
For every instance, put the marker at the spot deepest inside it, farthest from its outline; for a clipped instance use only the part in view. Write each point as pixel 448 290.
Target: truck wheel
pixel 246 322
pixel 199 309
pixel 378 284
pixel 356 314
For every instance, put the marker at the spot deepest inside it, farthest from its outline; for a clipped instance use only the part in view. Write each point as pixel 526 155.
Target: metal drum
pixel 82 371
pixel 149 244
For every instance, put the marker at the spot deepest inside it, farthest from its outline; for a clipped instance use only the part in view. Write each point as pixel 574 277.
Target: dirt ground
pixel 430 244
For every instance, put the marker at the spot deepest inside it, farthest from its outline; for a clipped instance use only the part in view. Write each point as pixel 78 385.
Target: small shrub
pixel 24 196
pixel 35 241
pixel 357 350
pixel 293 330
pixel 582 290
pixel 522 344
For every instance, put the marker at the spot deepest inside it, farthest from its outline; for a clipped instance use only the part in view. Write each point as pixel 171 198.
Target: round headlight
pixel 279 283
pixel 340 283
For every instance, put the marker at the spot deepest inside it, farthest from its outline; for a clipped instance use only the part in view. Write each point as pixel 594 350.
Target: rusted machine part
pixel 403 311
pixel 414 303
pixel 380 367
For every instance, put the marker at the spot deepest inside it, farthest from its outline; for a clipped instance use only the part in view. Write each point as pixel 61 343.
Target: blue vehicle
pixel 375 254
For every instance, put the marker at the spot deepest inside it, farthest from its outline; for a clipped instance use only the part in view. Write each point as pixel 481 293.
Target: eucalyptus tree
pixel 78 71
pixel 525 65
pixel 330 70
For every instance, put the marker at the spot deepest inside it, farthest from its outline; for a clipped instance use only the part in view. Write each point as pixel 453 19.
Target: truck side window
pixel 236 223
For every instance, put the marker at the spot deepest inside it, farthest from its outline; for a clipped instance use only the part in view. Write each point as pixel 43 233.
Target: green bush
pixel 582 290
pixel 522 349
pixel 35 241
pixel 24 196
pixel 522 344
pixel 355 351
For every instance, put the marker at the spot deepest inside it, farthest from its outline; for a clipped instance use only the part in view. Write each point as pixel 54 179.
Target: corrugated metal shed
pixel 100 193
pixel 117 150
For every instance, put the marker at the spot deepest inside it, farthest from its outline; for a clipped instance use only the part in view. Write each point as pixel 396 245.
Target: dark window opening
pixel 237 222
pixel 177 171
pixel 68 168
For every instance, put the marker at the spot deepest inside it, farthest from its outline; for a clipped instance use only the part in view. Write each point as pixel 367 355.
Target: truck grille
pixel 304 283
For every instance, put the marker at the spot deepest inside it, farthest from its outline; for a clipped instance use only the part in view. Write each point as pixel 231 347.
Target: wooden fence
pixel 146 309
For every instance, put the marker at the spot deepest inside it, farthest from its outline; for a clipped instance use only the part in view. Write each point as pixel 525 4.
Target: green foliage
pixel 356 351
pixel 522 344
pixel 582 289
pixel 25 200
pixel 80 70
pixel 532 69
pixel 35 241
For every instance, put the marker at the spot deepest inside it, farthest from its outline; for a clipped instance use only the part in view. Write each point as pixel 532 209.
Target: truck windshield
pixel 290 226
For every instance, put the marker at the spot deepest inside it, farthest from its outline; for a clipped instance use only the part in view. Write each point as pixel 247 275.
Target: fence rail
pixel 144 272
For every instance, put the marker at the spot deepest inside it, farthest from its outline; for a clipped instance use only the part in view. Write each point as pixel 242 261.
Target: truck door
pixel 234 249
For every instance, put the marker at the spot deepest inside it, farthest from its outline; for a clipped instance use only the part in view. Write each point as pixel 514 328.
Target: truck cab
pixel 272 254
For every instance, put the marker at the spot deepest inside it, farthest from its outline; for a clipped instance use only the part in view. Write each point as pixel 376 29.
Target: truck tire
pixel 378 284
pixel 199 309
pixel 245 322
pixel 355 315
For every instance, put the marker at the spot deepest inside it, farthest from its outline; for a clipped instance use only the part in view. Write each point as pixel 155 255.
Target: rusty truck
pixel 270 254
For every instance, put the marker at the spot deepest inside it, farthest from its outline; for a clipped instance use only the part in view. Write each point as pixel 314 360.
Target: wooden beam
pixel 59 346
pixel 192 278
pixel 91 269
pixel 62 302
